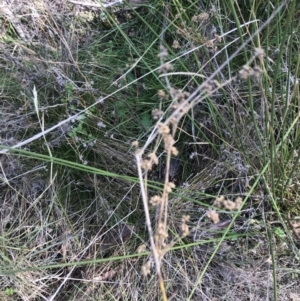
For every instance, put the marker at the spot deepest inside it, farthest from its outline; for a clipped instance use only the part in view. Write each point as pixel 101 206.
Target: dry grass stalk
pixel 165 131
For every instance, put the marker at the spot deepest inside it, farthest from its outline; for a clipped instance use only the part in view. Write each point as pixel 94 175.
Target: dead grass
pixel 75 229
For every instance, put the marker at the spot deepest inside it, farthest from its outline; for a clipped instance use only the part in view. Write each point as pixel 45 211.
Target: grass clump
pixel 149 140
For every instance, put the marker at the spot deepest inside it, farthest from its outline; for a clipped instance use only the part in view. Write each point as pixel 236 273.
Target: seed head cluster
pixel 221 202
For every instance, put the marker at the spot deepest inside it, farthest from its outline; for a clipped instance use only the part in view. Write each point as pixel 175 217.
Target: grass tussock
pixel 149 150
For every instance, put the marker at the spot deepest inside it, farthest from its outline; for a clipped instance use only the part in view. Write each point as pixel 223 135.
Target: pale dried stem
pixel 164 208
pixel 156 257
